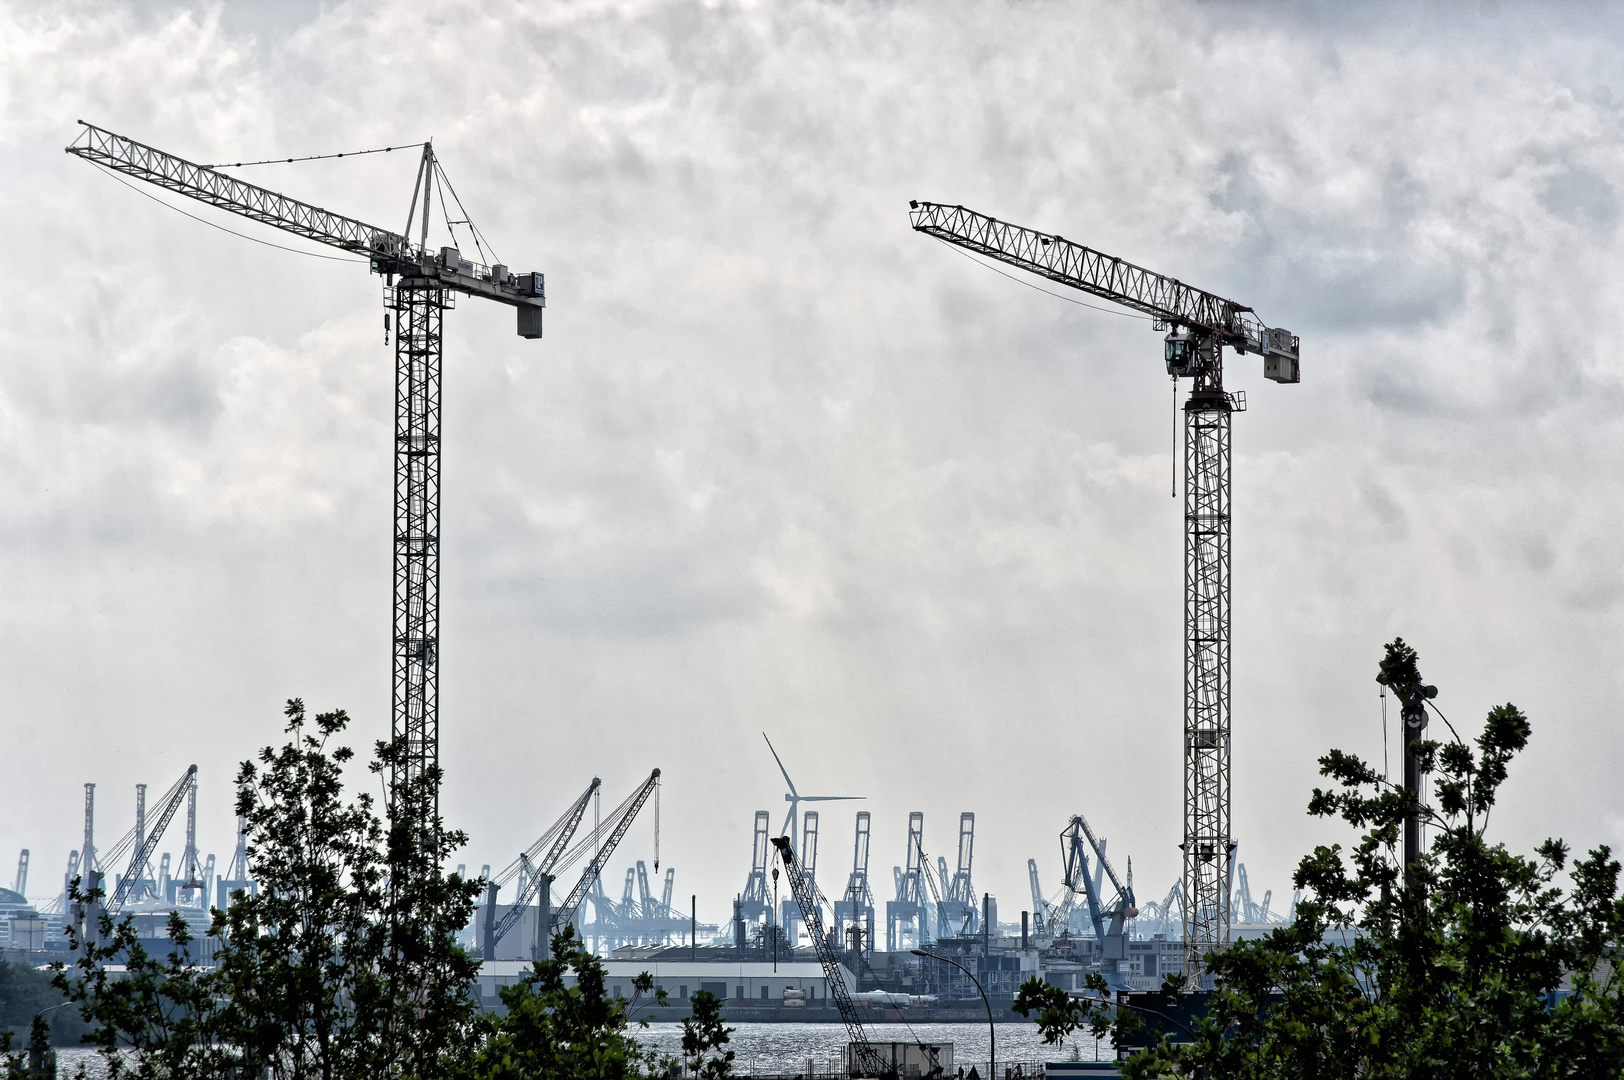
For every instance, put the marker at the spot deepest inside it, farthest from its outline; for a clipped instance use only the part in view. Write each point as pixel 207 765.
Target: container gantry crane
pixel 1199 326
pixel 420 285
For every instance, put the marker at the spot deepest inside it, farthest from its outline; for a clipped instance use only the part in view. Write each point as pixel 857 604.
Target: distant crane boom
pixel 554 840
pixel 142 854
pixel 618 821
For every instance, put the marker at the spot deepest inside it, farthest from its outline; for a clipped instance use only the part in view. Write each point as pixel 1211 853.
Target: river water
pixel 786 1048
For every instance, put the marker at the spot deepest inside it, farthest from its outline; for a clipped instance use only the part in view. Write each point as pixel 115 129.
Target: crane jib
pixel 1106 276
pixel 388 251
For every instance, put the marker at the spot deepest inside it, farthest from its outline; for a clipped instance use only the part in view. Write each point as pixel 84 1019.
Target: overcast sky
pixel 781 464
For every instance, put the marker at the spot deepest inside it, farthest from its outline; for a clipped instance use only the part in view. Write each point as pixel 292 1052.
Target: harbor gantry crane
pixel 420 285
pixel 1199 326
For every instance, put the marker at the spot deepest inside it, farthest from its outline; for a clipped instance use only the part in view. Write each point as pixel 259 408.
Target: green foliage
pixel 345 965
pixel 704 1032
pixel 1480 966
pixel 556 1032
pixel 25 992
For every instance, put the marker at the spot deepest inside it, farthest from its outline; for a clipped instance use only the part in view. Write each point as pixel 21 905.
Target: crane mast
pixel 806 897
pixel 425 289
pixel 1199 324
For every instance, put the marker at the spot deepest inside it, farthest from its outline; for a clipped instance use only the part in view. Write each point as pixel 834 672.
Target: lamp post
pixel 992 1034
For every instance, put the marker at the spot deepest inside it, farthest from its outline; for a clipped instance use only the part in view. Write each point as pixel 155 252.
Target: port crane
pixel 857 903
pixel 806 895
pixel 1199 326
pixel 22 874
pixel 603 840
pixel 537 862
pixel 420 285
pixel 141 842
pixel 1109 919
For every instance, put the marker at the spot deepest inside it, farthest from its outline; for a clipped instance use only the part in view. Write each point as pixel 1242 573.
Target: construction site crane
pixel 806 895
pixel 146 841
pixel 420 285
pixel 604 839
pixel 538 862
pixel 1199 326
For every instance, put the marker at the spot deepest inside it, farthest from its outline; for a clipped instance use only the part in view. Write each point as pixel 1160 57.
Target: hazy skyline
pixel 781 464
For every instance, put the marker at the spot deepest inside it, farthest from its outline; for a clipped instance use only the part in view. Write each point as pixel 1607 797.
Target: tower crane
pixel 540 859
pixel 806 896
pixel 1199 326
pixel 420 285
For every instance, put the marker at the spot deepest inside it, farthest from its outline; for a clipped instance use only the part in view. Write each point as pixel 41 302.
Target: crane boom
pixel 142 854
pixel 807 899
pixel 627 813
pixel 390 252
pixel 1106 276
pixel 540 872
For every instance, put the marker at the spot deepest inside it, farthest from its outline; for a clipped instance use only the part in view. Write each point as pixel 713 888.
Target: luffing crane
pixel 539 860
pixel 604 839
pixel 419 286
pixel 1199 325
pixel 143 841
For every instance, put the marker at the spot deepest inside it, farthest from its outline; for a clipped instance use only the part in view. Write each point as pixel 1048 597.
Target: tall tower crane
pixel 1199 326
pixel 420 285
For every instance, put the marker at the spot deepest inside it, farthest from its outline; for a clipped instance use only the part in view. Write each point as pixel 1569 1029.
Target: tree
pixel 26 992
pixel 345 965
pixel 1481 965
pixel 704 1032
pixel 557 1032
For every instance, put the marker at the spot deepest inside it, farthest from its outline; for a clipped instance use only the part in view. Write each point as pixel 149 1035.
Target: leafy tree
pixel 345 965
pixel 704 1032
pixel 565 1032
pixel 1480 965
pixel 25 992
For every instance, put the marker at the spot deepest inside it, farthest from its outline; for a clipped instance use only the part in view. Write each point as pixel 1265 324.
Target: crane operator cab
pixel 1180 351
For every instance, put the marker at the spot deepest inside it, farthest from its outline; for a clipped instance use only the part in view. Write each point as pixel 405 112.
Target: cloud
pixel 782 464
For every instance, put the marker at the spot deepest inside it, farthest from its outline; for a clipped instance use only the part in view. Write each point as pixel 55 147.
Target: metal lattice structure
pixel 811 904
pixel 1202 324
pixel 420 305
pixel 1207 736
pixel 428 283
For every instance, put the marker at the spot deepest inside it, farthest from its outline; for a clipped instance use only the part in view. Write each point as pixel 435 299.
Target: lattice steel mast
pixel 1201 324
pixel 427 286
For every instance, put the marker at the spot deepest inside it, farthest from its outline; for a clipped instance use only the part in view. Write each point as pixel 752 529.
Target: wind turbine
pixel 795 799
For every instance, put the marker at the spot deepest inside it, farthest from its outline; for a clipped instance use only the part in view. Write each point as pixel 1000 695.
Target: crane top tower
pixel 390 253
pixel 1199 326
pixel 420 285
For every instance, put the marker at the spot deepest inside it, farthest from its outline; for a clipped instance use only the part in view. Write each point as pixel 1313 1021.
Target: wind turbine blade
pixel 829 798
pixel 781 768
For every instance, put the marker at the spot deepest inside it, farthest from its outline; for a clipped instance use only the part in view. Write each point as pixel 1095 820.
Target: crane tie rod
pixel 311 157
pixel 217 225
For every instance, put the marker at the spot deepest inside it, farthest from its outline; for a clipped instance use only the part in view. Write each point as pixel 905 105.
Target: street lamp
pixel 992 1034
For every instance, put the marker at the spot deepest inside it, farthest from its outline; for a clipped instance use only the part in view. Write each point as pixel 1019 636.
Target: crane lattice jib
pixel 227 192
pixel 540 872
pixel 806 899
pixel 143 851
pixel 1099 853
pixel 1060 260
pixel 628 813
pixel 553 841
